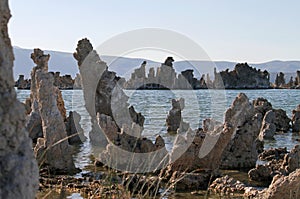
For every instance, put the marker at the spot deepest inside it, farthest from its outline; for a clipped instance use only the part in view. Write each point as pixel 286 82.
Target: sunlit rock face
pixel 18 167
pixel 52 149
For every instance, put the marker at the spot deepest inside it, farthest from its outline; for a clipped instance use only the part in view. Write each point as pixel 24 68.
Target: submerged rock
pixel 18 168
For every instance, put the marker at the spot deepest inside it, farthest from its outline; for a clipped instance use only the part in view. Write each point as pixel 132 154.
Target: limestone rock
pixel 243 148
pixel 291 160
pixel 282 121
pixel 243 76
pixel 280 80
pixel 73 128
pixel 174 118
pixel 18 168
pixel 296 120
pixel 77 82
pixel 268 128
pixel 22 83
pixel 53 149
pixel 262 105
pixel 191 181
pixel 284 186
pixel 227 186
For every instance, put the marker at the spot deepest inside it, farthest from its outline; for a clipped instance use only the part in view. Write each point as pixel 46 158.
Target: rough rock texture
pixel 115 127
pixel 291 160
pixel 226 186
pixel 191 181
pixel 282 121
pixel 53 150
pixel 280 80
pixel 73 128
pixel 166 78
pixel 284 187
pixel 18 168
pixel 296 120
pixel 63 82
pixel 205 150
pixel 268 128
pixel 244 147
pixel 174 118
pixel 22 83
pixel 243 76
pixel 279 162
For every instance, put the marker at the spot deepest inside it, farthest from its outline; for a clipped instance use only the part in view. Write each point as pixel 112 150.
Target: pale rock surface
pixel 18 167
pixel 268 128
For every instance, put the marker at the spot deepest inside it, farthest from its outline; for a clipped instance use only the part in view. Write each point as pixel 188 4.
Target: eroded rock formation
pixel 174 118
pixel 52 150
pixel 243 76
pixel 73 128
pixel 268 128
pixel 116 127
pixel 18 168
pixel 22 83
pixel 244 146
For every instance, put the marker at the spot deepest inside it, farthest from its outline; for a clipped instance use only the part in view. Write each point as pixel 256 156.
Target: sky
pixel 227 30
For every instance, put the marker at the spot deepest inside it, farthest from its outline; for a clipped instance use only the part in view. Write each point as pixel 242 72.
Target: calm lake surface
pixel 199 104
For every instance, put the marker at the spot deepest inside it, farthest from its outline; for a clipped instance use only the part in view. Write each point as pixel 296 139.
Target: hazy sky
pixel 232 30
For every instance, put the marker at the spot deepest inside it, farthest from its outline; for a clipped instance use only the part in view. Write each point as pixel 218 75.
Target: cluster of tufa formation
pixel 64 82
pixel 18 168
pixel 165 78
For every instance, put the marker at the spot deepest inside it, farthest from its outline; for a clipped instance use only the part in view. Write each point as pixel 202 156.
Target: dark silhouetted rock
pixel 243 76
pixel 73 128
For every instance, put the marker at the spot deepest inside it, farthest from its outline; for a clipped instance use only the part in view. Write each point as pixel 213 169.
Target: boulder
pixel 18 168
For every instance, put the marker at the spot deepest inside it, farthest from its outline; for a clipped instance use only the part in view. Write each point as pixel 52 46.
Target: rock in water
pixel 18 168
pixel 243 149
pixel 174 118
pixel 53 150
pixel 268 128
pixel 296 120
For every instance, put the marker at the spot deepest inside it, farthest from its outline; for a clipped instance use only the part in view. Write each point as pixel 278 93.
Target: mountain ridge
pixel 124 66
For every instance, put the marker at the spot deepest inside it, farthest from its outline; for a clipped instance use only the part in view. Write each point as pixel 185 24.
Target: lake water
pixel 199 104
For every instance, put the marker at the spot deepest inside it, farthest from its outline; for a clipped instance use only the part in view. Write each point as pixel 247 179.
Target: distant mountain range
pixel 66 64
